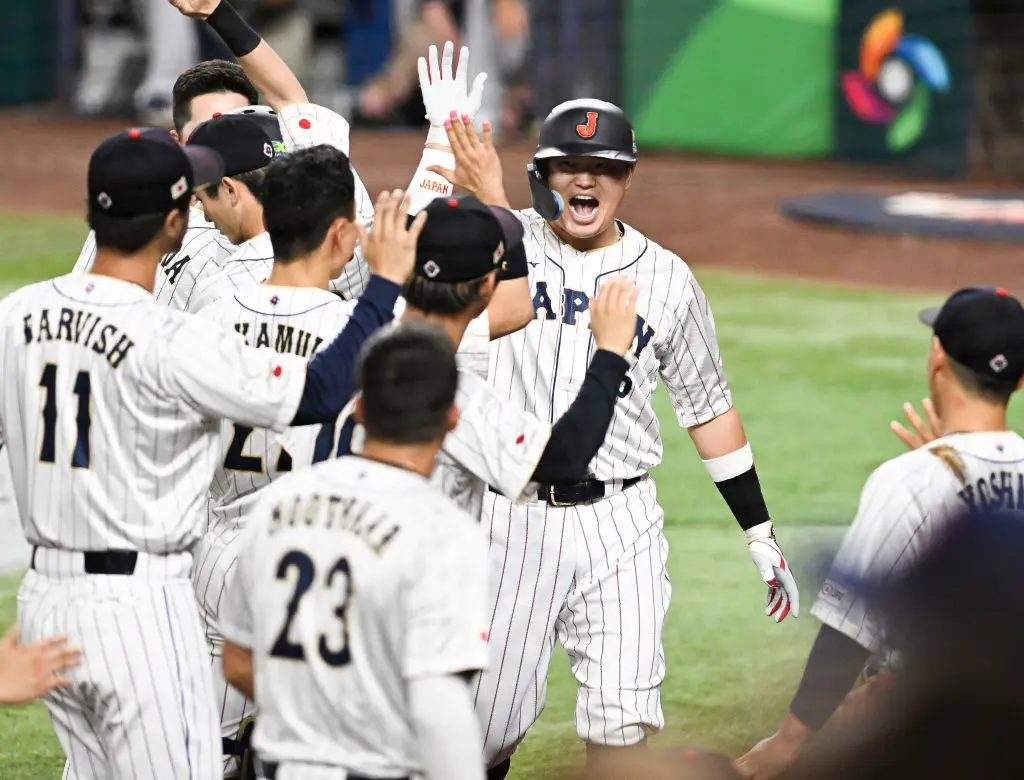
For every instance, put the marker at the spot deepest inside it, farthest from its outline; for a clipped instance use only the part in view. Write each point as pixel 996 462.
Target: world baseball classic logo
pixel 898 74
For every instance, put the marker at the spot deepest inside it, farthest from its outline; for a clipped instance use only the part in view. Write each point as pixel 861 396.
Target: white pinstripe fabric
pixel 593 574
pixel 906 503
pixel 202 252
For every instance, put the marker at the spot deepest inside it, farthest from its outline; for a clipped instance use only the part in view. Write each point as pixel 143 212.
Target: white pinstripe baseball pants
pixel 595 576
pixel 141 702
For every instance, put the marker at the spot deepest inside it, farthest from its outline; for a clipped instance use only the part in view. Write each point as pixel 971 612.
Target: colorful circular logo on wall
pixel 898 74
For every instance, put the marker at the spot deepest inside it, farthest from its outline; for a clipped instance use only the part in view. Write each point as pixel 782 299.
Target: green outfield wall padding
pixel 27 51
pixel 749 77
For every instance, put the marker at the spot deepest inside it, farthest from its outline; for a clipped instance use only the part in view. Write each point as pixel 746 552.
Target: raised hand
pixel 390 247
pixel 477 165
pixel 924 432
pixel 444 91
pixel 613 315
pixel 197 9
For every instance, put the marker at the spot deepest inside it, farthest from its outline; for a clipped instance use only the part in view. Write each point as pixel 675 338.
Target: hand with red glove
pixel 783 596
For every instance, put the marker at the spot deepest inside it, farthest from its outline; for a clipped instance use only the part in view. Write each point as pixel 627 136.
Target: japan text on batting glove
pixel 783 596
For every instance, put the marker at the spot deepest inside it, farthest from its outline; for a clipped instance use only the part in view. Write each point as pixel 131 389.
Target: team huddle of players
pixel 315 482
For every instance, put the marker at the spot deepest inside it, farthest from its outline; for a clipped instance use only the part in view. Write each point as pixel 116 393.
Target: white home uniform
pixel 906 503
pixel 202 253
pixel 355 577
pixel 288 320
pixel 595 572
pixel 110 413
pixel 296 321
pixel 493 444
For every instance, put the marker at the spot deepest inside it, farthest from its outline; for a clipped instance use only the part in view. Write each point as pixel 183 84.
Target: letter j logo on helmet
pixel 587 129
pixel 898 74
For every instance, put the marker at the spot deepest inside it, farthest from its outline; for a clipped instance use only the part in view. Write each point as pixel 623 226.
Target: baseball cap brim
pixel 207 165
pixel 928 316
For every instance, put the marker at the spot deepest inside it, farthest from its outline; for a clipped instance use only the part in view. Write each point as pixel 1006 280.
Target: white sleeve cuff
pixel 427 186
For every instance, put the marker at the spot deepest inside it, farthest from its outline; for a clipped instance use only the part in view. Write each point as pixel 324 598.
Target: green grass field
pixel 817 372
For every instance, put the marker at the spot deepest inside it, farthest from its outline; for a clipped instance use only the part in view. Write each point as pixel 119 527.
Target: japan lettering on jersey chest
pixel 543 366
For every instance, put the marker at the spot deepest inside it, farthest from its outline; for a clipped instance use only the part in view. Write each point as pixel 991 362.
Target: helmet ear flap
pixel 547 202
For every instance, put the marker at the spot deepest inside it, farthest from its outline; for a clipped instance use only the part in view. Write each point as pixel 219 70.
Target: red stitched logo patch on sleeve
pixel 521 438
pixel 277 371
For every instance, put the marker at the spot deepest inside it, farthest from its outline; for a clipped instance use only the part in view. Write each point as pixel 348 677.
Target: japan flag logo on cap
pixel 179 188
pixel 431 269
pixel 499 252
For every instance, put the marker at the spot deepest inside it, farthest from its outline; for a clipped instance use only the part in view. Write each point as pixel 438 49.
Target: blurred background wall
pixel 929 85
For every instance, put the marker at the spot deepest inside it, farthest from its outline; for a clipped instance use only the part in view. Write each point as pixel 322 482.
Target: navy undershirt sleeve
pixel 331 375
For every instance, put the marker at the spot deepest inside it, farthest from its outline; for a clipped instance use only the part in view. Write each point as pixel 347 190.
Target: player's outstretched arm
pixel 476 165
pixel 264 67
pixel 29 671
pixel 579 433
pixel 723 446
pixel 832 668
pixel 447 729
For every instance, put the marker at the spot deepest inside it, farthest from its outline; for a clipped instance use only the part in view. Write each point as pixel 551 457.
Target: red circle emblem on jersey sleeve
pixel 305 124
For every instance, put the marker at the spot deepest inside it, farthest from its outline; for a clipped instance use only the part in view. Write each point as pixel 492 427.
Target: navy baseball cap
pixel 982 328
pixel 142 171
pixel 267 119
pixel 464 239
pixel 238 139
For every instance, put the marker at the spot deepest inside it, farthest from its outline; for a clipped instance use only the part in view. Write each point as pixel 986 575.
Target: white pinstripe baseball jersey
pixel 541 368
pixel 289 320
pixel 493 444
pixel 202 252
pixel 354 578
pixel 905 504
pixel 250 264
pixel 111 411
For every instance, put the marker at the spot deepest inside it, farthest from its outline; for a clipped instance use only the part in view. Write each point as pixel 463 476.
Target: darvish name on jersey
pixel 542 366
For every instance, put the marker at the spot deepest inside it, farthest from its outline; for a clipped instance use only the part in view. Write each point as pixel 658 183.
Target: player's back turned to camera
pixel 358 613
pixel 969 462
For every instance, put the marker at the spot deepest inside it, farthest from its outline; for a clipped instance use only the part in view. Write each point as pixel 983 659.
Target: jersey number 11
pixel 82 389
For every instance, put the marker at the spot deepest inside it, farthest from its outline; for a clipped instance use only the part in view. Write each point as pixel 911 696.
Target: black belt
pixel 268 771
pixel 580 492
pixel 107 562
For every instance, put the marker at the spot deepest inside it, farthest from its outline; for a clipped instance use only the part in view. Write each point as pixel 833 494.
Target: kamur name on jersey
pixel 333 512
pixel 83 328
pixel 287 338
pixel 573 304
pixel 1001 490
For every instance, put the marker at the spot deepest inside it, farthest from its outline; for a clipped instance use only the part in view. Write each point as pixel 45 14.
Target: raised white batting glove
pixel 306 124
pixel 783 596
pixel 444 91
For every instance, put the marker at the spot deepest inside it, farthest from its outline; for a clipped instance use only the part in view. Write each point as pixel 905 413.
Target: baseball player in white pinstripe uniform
pixel 593 553
pixel 495 443
pixel 971 463
pixel 111 415
pixel 293 313
pixel 357 615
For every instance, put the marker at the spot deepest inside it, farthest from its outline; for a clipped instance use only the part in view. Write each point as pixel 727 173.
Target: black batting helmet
pixel 578 128
pixel 266 118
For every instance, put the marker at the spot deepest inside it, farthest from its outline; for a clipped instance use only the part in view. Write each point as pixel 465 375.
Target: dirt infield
pixel 712 212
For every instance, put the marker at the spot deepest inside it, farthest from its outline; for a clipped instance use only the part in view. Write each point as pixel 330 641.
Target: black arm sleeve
pixel 831 671
pixel 745 499
pixel 331 375
pixel 578 434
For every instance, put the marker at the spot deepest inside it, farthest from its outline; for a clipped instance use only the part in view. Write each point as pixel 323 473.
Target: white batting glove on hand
pixel 444 91
pixel 783 596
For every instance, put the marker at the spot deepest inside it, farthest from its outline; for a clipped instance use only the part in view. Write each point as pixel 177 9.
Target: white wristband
pixel 762 531
pixel 731 465
pixel 438 135
pixel 427 186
